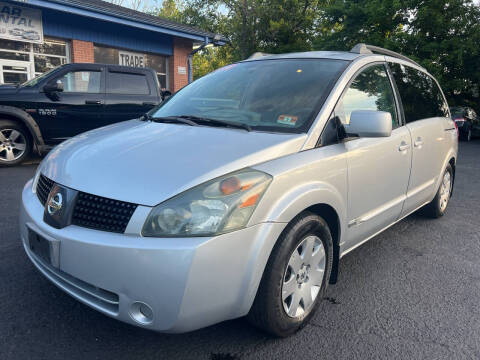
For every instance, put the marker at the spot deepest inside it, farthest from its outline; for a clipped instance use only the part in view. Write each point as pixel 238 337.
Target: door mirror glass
pixel 53 87
pixel 369 123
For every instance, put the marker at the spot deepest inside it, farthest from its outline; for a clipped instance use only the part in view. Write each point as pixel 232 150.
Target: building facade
pixel 39 35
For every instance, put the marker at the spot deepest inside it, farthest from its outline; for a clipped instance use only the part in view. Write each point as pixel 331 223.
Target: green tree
pixel 441 35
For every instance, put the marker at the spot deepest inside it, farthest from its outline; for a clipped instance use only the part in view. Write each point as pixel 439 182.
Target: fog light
pixel 141 313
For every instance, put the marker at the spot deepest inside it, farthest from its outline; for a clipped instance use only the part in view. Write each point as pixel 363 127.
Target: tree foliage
pixel 441 35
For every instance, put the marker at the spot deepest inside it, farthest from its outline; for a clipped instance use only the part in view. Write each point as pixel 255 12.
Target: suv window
pixel 127 83
pixel 370 90
pixel 81 82
pixel 420 94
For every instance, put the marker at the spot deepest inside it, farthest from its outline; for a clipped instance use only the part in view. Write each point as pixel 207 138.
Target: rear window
pixel 420 94
pixel 127 83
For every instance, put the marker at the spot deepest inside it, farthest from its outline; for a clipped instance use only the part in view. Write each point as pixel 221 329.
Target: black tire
pixel 267 312
pixel 434 208
pixel 6 147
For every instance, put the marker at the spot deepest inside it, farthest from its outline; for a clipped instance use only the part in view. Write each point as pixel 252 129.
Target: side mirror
pixel 53 87
pixel 369 123
pixel 165 94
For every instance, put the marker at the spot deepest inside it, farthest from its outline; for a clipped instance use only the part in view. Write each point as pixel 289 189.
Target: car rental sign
pixel 20 23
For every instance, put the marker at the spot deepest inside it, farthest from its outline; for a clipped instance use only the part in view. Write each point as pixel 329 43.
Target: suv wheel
pixel 295 277
pixel 439 204
pixel 15 143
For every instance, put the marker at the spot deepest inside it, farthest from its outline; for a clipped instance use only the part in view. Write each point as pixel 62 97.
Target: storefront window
pixel 158 63
pixel 14 56
pixel 50 54
pixel 14 45
pixel 35 59
pixel 45 63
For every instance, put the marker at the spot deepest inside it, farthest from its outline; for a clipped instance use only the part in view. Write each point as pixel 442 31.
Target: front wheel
pixel 15 143
pixel 295 277
pixel 438 206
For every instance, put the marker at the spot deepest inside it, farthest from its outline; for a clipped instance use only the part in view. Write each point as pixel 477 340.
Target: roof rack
pixel 362 48
pixel 258 55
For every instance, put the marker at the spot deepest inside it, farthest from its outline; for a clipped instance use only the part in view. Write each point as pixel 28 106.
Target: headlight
pixel 215 207
pixel 35 179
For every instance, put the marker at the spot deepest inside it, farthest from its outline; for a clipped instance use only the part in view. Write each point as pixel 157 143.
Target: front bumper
pixel 188 283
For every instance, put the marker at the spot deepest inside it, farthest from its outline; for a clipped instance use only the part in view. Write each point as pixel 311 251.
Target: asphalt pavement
pixel 412 292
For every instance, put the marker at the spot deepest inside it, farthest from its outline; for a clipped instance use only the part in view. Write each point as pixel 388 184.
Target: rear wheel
pixel 295 278
pixel 15 143
pixel 439 204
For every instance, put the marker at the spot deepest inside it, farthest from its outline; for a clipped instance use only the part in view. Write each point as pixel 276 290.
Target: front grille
pixel 100 213
pixel 44 186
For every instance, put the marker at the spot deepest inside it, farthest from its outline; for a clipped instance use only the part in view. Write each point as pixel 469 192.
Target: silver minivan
pixel 240 194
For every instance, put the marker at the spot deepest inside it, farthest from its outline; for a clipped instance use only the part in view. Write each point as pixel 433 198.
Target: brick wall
pixel 181 49
pixel 82 51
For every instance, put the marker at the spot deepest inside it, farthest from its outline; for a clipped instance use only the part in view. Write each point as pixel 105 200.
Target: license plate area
pixel 45 249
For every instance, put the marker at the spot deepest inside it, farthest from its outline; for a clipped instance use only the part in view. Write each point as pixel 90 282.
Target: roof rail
pixel 362 48
pixel 258 55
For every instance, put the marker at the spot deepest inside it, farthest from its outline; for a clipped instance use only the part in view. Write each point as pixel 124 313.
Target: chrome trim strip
pixel 378 232
pixel 420 188
pixel 375 212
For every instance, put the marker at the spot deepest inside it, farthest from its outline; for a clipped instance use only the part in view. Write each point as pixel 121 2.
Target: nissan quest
pixel 239 195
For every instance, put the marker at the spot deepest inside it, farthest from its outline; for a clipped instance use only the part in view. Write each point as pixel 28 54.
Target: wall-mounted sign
pixel 127 58
pixel 182 70
pixel 20 23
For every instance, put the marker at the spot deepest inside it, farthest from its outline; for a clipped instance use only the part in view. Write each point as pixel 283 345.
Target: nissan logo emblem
pixel 55 203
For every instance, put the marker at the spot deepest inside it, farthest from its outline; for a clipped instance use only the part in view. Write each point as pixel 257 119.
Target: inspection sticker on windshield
pixel 287 120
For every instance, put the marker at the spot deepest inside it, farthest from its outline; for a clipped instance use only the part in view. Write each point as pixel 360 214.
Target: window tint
pixel 126 83
pixel 81 81
pixel 371 90
pixel 420 94
pixel 281 95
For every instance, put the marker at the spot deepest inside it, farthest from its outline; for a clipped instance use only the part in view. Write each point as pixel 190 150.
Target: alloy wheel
pixel 303 276
pixel 13 144
pixel 445 190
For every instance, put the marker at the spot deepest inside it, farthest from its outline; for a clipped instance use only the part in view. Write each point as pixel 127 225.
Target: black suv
pixel 467 121
pixel 69 100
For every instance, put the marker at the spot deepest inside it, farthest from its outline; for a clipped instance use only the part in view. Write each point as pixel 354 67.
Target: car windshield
pixel 37 79
pixel 268 95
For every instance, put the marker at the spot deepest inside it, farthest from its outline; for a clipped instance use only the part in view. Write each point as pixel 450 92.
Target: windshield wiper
pixel 170 119
pixel 217 122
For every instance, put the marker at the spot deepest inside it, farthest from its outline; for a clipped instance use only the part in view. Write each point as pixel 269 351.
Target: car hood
pixel 8 89
pixel 147 163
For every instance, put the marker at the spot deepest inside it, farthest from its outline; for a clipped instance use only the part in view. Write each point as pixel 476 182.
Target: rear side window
pixel 420 94
pixel 127 83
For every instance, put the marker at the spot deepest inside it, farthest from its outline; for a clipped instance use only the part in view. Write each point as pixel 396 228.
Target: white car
pixel 240 194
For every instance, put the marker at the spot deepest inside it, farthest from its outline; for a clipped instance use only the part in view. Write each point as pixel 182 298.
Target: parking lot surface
pixel 413 292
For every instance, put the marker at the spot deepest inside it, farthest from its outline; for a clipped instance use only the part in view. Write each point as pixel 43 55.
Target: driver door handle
pixel 93 102
pixel 403 146
pixel 418 143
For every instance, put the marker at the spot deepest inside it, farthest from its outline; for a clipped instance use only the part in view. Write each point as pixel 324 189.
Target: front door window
pixel 370 90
